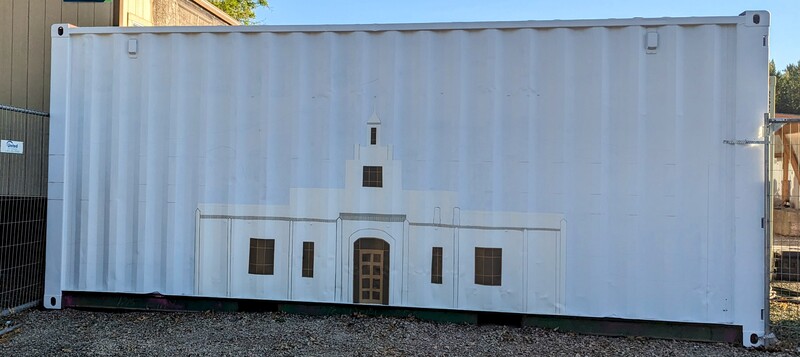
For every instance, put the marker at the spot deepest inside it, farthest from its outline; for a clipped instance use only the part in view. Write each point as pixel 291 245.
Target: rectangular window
pixel 308 259
pixel 488 266
pixel 436 266
pixel 373 176
pixel 262 256
pixel 373 136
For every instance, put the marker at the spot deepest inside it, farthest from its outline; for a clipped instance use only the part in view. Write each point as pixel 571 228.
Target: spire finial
pixel 373 119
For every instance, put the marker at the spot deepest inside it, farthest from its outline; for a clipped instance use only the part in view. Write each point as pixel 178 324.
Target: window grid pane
pixel 308 259
pixel 372 176
pixel 262 256
pixel 488 266
pixel 436 265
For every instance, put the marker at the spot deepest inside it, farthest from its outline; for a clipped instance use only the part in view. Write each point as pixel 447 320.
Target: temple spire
pixel 373 123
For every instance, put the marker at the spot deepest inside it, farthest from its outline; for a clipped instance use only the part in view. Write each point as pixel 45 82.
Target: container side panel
pixel 542 296
pixel 247 284
pixel 422 241
pixel 213 274
pixel 186 148
pixel 57 250
pixel 186 177
pixel 750 92
pixel 320 285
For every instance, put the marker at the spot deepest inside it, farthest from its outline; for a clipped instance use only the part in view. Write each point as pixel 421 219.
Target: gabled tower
pixel 373 178
pixel 373 124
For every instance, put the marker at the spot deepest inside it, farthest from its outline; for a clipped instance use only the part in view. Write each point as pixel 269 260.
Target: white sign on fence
pixel 11 146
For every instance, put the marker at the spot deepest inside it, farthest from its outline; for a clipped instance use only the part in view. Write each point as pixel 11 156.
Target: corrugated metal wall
pixel 25 76
pixel 662 217
pixel 25 52
pixel 25 41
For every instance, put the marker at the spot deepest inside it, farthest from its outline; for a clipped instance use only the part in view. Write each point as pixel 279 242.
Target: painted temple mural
pixel 372 242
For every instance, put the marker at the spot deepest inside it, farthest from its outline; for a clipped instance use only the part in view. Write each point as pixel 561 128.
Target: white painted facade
pixel 411 222
pixel 590 151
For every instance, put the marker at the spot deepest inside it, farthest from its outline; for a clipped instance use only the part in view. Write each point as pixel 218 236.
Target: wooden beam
pixel 789 157
pixel 785 166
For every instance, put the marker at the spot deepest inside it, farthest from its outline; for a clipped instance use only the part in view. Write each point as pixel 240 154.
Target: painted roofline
pixel 436 26
pixel 217 12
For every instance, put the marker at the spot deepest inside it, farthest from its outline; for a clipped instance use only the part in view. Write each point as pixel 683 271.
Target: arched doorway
pixel 371 271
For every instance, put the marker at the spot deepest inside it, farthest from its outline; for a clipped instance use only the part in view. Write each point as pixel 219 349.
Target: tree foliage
pixel 242 10
pixel 787 89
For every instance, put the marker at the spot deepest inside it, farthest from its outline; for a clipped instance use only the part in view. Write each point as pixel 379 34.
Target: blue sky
pixel 784 29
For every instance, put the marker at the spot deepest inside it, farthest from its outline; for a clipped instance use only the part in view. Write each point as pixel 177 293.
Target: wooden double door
pixel 371 271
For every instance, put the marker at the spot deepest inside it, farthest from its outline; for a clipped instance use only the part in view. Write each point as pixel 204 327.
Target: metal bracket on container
pixel 784 121
pixel 744 142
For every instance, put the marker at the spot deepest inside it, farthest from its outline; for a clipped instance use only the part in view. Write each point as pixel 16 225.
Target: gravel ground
pixel 74 332
pixel 785 318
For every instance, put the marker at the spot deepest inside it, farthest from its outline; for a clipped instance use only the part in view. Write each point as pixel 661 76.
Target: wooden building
pixel 25 35
pixel 25 66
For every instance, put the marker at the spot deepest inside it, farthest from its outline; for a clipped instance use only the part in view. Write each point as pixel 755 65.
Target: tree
pixel 773 72
pixel 787 89
pixel 242 10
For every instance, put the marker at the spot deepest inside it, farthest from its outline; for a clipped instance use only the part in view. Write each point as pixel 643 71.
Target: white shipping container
pixel 546 167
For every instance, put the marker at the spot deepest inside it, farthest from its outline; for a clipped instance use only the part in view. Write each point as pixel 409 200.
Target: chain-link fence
pixel 785 199
pixel 23 207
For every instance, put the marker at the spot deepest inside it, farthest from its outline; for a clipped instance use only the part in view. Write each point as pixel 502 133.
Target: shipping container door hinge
pixel 763 222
